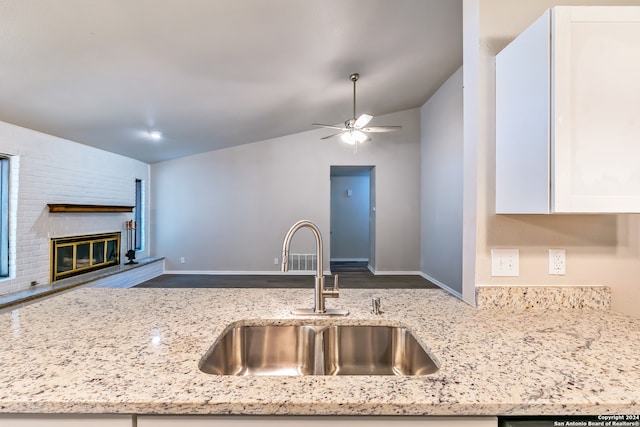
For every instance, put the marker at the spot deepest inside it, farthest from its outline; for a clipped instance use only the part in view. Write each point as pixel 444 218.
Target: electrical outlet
pixel 557 262
pixel 505 262
pixel 181 260
pixel 275 261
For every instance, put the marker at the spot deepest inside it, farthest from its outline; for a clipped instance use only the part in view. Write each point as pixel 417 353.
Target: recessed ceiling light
pixel 156 135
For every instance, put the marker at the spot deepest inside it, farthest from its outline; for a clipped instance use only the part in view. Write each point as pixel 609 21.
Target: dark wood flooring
pixel 348 279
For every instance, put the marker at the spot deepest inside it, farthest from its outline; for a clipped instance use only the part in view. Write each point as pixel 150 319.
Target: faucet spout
pixel 320 292
pixel 287 242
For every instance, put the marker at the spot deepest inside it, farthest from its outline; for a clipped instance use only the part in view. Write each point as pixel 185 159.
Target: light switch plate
pixel 505 262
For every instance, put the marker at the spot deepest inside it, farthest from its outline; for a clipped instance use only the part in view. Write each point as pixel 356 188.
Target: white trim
pixel 14 177
pixel 441 285
pixel 349 259
pixel 247 273
pixel 392 273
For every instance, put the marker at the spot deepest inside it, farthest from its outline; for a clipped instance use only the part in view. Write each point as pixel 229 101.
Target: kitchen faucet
pixel 320 291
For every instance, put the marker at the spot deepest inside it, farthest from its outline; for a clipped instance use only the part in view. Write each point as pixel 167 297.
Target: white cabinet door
pixel 280 421
pixel 596 140
pixel 55 420
pixel 567 124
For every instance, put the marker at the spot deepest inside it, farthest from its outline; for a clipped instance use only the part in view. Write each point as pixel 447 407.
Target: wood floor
pixel 348 279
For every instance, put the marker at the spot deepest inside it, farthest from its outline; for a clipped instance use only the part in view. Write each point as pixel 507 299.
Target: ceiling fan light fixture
pixel 156 135
pixel 353 137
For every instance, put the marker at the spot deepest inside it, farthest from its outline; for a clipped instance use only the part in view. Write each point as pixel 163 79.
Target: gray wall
pixel 441 185
pixel 228 210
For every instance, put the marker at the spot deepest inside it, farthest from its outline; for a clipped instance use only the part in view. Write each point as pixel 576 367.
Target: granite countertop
pixel 137 351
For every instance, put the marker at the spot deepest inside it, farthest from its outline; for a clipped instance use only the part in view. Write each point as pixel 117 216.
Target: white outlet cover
pixel 557 262
pixel 505 262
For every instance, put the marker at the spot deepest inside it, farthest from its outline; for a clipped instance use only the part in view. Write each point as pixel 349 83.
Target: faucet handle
pixel 375 306
pixel 333 292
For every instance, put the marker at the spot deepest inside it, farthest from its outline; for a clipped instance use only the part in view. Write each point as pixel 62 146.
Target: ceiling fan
pixel 355 130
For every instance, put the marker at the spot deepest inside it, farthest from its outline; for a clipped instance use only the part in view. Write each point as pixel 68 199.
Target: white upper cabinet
pixel 568 114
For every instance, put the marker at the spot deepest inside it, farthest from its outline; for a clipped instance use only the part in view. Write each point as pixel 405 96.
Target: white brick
pixel 54 170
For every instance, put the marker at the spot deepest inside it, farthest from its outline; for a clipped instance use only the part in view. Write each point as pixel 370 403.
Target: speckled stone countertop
pixel 136 351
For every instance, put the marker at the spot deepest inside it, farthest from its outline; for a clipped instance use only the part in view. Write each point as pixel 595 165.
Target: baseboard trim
pixel 440 285
pixel 247 273
pixel 394 273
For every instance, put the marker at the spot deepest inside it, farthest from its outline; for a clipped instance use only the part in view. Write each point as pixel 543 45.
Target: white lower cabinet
pixel 64 420
pixel 71 420
pixel 333 421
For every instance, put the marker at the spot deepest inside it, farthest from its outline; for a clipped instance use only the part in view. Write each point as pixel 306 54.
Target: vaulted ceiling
pixel 210 74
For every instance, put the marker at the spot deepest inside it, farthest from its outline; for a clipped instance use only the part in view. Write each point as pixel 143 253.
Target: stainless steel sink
pixel 317 350
pixel 374 350
pixel 263 350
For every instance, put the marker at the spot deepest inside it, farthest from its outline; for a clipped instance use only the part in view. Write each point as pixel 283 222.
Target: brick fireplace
pixel 75 255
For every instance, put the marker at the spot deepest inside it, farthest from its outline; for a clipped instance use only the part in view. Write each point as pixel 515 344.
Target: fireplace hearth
pixel 71 256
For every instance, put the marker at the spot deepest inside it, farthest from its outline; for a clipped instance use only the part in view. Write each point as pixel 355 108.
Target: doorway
pixel 352 218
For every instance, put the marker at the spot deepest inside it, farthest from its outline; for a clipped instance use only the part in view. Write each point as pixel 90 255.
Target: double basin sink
pixel 310 349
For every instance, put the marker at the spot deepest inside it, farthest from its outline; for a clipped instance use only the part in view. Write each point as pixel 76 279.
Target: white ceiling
pixel 216 73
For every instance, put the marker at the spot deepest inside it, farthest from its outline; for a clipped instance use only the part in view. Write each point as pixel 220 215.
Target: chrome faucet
pixel 320 291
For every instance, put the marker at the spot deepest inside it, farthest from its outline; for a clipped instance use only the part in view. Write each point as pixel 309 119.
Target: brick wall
pixel 132 277
pixel 53 170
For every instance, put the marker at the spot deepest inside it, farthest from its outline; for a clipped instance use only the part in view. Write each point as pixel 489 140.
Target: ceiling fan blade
pixel 329 126
pixel 362 121
pixel 331 136
pixel 381 128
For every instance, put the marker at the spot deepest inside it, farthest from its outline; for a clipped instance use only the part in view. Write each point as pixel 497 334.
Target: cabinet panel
pixel 319 421
pixel 567 125
pixel 66 420
pixel 523 86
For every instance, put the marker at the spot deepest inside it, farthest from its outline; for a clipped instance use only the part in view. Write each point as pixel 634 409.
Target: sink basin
pixel 263 350
pixel 317 350
pixel 374 350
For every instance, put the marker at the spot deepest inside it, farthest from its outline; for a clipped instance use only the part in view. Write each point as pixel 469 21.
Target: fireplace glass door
pixel 80 254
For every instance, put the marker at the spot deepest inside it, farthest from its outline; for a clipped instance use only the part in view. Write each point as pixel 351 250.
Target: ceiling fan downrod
pixel 354 78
